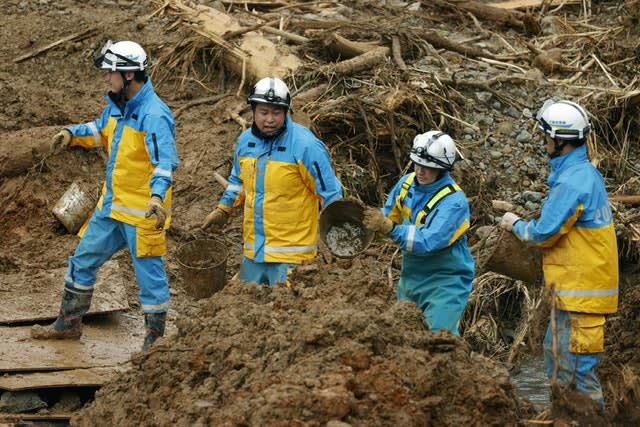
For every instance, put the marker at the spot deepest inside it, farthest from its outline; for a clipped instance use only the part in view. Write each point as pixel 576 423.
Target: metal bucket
pixel 341 228
pixel 75 206
pixel 503 253
pixel 203 264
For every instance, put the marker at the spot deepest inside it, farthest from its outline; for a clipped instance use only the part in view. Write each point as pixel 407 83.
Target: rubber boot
pixel 154 325
pixel 68 324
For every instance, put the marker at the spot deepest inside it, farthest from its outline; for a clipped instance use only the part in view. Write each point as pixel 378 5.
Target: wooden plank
pixel 91 377
pixel 519 4
pixel 34 294
pixel 16 420
pixel 109 342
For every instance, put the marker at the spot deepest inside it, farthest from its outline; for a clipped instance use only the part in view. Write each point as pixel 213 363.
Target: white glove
pixel 508 220
pixel 155 208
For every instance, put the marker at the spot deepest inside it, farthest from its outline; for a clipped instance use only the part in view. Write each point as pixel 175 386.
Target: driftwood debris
pixel 73 37
pixel 250 55
pixel 22 149
pixel 629 200
pixel 346 49
pixel 362 62
pixel 482 11
pixel 522 4
pixel 440 42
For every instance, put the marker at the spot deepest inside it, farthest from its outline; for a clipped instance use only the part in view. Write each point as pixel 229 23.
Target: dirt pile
pixel 334 347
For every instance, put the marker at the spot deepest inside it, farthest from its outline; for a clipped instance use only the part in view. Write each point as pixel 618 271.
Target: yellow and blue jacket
pixel 576 232
pixel 142 155
pixel 431 216
pixel 281 182
pixel 430 224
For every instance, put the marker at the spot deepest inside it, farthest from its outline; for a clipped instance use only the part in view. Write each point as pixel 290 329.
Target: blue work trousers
pixel 264 273
pixel 104 237
pixel 578 367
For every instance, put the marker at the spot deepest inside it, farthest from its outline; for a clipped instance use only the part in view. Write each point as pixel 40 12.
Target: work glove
pixel 217 219
pixel 508 220
pixel 155 208
pixel 375 220
pixel 60 141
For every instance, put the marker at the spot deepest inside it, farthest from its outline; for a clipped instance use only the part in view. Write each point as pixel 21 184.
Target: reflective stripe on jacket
pixel 281 183
pixel 576 232
pixel 437 266
pixel 142 153
pixel 444 225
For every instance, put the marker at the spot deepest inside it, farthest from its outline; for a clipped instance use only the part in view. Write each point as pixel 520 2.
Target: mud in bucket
pixel 341 228
pixel 75 206
pixel 203 264
pixel 503 253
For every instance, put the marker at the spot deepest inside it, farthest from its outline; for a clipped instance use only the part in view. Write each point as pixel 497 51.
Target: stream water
pixel 531 381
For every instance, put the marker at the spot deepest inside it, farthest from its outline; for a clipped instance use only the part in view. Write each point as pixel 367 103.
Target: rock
pixel 524 137
pixel 16 402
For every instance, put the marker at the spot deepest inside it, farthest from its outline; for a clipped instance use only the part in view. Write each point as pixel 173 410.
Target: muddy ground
pixel 336 349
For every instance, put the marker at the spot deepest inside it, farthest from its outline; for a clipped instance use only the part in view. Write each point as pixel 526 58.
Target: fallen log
pixel 523 4
pixel 362 62
pixel 346 49
pixel 440 42
pixel 251 56
pixel 629 200
pixel 482 11
pixel 22 149
pixel 73 37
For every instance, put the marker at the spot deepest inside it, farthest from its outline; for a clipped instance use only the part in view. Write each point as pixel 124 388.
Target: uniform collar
pixel 433 186
pixel 561 163
pixel 137 98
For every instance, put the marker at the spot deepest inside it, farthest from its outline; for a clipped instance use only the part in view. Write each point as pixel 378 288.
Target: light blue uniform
pixel 437 266
pixel 140 141
pixel 280 183
pixel 580 263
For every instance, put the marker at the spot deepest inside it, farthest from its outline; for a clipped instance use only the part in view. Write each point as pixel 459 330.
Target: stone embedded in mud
pixel 16 402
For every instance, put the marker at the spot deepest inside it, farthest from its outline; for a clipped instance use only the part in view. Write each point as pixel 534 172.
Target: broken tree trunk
pixel 251 56
pixel 362 62
pixel 630 199
pixel 22 149
pixel 482 11
pixel 346 49
pixel 440 42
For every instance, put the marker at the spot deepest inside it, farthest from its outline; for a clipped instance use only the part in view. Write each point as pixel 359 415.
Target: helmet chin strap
pixel 557 148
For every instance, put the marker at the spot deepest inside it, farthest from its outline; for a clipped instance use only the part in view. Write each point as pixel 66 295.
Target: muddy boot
pixel 68 325
pixel 154 325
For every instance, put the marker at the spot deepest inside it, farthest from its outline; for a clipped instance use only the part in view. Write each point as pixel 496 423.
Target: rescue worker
pixel 281 175
pixel 133 210
pixel 580 258
pixel 427 214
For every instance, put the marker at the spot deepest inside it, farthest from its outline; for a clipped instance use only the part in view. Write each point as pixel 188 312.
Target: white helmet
pixel 122 56
pixel 563 119
pixel 433 149
pixel 271 90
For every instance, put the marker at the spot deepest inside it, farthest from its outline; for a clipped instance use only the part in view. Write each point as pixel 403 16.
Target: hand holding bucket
pixel 342 230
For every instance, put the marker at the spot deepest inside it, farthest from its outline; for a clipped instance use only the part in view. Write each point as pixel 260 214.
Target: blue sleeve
pixel 316 160
pixel 559 213
pixel 89 135
pixel 233 194
pixel 160 140
pixel 443 227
